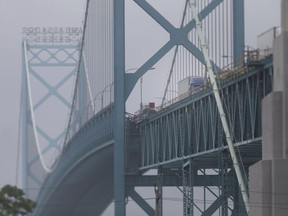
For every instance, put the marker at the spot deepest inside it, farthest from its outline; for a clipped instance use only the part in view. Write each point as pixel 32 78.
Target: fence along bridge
pixel 106 151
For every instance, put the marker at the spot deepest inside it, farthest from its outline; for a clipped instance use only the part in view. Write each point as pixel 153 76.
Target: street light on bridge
pixel 141 86
pixel 102 95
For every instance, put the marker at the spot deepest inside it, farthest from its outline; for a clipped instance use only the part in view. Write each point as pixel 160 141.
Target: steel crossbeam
pixel 203 132
pixel 36 58
pixel 191 128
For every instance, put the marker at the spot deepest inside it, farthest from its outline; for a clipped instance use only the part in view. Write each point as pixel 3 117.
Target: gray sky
pixel 15 14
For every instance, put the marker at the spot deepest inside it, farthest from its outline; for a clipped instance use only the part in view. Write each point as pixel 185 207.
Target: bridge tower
pixel 49 64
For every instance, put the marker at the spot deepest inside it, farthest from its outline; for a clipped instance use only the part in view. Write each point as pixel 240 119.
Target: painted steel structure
pixel 197 114
pixel 211 74
pixel 37 58
pixel 184 139
pixel 183 37
pixel 173 152
pixel 84 171
pixel 189 132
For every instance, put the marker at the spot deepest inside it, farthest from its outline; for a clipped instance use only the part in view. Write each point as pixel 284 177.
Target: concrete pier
pixel 268 179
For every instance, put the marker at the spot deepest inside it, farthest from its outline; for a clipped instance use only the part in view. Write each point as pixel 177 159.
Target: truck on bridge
pixel 190 84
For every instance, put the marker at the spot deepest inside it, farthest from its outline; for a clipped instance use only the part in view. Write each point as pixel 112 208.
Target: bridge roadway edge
pixel 73 184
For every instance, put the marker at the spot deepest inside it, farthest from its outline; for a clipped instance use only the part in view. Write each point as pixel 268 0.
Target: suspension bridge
pixel 201 138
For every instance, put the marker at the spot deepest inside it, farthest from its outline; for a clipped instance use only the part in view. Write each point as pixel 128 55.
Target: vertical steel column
pixel 238 30
pixel 185 192
pixel 224 182
pixel 81 96
pixel 159 193
pixel 188 190
pixel 23 121
pixel 119 117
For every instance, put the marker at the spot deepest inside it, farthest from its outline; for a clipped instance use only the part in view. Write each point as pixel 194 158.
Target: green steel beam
pixel 140 201
pixel 170 180
pixel 119 116
pixel 178 36
pixel 238 30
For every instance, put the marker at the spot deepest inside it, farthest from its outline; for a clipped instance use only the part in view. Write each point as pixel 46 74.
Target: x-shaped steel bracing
pixel 178 36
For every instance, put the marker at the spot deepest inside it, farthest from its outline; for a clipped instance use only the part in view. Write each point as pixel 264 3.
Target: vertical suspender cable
pixel 174 59
pixel 211 75
pixel 77 75
pixel 223 35
pixel 88 82
pixel 227 29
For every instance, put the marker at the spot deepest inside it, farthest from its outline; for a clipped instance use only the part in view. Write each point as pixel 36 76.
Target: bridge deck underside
pixel 82 183
pixel 250 152
pixel 85 190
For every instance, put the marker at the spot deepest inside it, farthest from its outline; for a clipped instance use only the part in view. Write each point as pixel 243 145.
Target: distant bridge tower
pixel 49 64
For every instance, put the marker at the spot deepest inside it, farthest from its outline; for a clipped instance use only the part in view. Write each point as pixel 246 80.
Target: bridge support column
pixel 187 175
pixel 159 193
pixel 238 30
pixel 119 117
pixel 269 177
pixel 224 182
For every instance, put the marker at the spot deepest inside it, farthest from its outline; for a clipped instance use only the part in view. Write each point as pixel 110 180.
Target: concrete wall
pixel 268 181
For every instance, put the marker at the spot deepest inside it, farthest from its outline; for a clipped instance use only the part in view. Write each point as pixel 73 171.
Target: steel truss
pixel 188 193
pixel 37 58
pixel 192 126
pixel 177 134
pixel 186 135
pixel 190 130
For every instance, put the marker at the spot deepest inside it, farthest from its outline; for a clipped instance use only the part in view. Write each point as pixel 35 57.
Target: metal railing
pixel 226 74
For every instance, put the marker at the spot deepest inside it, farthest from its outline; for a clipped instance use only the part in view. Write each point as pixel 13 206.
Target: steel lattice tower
pixel 50 61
